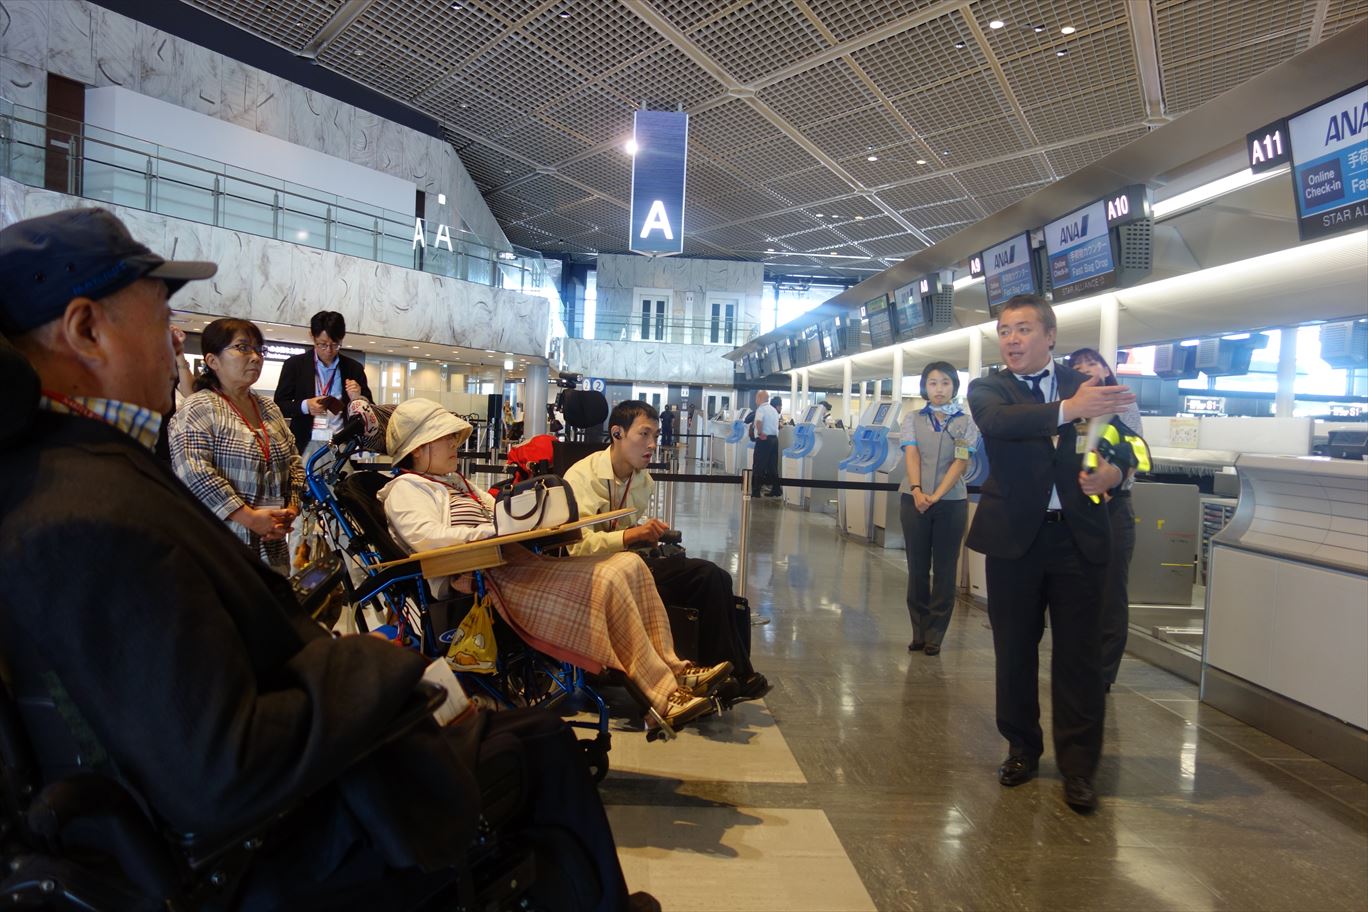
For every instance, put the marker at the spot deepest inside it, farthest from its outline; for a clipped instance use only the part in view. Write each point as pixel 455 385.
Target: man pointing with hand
pixel 1047 543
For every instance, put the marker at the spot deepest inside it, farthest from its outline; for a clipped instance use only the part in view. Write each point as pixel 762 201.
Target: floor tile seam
pixel 1266 760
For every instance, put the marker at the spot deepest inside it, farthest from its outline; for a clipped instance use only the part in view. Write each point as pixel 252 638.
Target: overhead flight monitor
pixel 880 320
pixel 1009 269
pixel 910 311
pixel 1330 164
pixel 1080 252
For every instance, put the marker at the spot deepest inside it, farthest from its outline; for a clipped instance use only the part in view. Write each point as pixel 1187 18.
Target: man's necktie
pixel 1035 381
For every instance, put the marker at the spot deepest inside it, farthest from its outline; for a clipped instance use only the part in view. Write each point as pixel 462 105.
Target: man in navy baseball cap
pixel 87 304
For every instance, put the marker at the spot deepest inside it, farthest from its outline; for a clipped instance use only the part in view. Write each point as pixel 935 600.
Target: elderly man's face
pixel 141 366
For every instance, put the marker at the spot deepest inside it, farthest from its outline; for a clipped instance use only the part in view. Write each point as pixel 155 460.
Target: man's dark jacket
pixel 1023 463
pixel 183 665
pixel 299 381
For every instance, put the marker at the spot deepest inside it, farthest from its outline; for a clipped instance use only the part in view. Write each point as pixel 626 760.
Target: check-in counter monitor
pixel 871 451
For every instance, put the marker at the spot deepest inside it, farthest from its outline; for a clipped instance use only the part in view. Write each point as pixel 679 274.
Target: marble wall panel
pixel 199 80
pixel 158 63
pixel 70 49
pixel 11 201
pixel 365 137
pixel 271 97
pixel 309 120
pixel 25 85
pixel 114 46
pixel 389 147
pixel 237 94
pixel 24 31
pixel 649 362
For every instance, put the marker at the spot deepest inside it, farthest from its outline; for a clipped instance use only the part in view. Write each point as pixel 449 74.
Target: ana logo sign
pixel 1346 124
pixel 1073 231
pixel 1004 258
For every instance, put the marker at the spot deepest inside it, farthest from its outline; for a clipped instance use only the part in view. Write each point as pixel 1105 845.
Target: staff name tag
pixel 1080 445
pixel 962 452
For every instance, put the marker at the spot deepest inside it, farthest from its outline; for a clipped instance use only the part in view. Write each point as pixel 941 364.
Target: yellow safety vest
pixel 1110 445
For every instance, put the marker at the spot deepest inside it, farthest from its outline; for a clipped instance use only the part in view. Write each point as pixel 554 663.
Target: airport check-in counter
pixel 871 452
pixel 736 445
pixel 720 428
pixel 1286 646
pixel 810 456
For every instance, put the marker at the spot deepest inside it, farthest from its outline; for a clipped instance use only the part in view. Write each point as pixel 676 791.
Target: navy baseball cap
pixel 48 260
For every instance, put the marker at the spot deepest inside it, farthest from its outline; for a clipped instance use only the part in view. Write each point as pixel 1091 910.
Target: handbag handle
pixel 538 505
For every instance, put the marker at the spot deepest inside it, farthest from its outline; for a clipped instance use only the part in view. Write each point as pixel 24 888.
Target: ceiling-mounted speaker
pixel 1345 344
pixel 1175 362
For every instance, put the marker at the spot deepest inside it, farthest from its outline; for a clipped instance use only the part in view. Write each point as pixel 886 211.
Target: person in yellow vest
pixel 616 477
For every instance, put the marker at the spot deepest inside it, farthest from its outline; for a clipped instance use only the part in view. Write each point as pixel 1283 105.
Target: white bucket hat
pixel 420 421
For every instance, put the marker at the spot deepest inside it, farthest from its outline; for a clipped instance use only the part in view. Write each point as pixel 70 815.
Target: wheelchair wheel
pixel 596 755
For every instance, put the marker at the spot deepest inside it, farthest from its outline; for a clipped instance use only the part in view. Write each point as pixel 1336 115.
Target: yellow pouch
pixel 472 643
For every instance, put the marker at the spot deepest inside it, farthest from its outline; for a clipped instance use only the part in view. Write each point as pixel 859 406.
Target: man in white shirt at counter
pixel 615 478
pixel 765 431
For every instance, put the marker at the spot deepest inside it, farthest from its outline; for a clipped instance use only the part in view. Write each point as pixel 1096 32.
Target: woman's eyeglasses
pixel 245 348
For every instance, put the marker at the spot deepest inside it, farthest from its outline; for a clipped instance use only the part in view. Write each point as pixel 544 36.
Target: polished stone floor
pixel 866 780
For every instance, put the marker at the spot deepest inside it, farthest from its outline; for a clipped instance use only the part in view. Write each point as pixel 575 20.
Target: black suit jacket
pixel 298 381
pixel 1023 463
pixel 184 667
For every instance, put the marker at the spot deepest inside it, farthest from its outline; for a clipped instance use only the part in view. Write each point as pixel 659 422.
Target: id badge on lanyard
pixel 323 424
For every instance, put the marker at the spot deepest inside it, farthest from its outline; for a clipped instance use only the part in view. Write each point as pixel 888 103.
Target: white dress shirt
pixel 1049 385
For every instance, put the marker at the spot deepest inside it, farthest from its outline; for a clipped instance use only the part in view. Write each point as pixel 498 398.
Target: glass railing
pixel 44 150
pixel 669 329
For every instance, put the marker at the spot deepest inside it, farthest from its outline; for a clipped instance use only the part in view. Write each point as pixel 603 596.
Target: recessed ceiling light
pixel 1061 52
pixel 631 147
pixel 441 199
pixel 417 346
pixel 464 105
pixel 818 214
pixel 360 52
pixel 996 24
pixel 457 7
pixel 945 152
pixel 1067 30
pixel 871 158
pixel 859 218
pixel 769 250
pixel 565 15
pixel 960 45
pixel 1037 28
pixel 921 161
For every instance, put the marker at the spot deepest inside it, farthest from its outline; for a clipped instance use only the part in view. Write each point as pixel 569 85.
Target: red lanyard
pixel 469 491
pixel 263 438
pixel 622 503
pixel 72 404
pixel 321 388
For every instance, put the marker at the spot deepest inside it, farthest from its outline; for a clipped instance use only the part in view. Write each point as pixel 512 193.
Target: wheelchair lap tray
pixel 543 502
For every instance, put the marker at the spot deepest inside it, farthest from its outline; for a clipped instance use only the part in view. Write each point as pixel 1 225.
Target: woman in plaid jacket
pixel 233 448
pixel 594 612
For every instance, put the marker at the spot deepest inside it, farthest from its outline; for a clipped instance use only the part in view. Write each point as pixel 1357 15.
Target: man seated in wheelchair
pixel 146 642
pixel 616 477
pixel 598 611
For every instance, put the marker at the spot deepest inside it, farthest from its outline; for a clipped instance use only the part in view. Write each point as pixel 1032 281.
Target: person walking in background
pixel 1115 588
pixel 1047 542
pixel 232 448
pixel 314 387
pixel 937 442
pixel 667 426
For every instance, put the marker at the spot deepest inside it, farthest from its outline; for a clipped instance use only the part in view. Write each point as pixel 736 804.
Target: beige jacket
pixel 597 491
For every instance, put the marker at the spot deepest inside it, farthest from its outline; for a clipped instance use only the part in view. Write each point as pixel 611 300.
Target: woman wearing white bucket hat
pixel 602 612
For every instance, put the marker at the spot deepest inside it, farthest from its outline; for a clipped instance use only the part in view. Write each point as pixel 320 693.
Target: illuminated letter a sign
pixel 662 139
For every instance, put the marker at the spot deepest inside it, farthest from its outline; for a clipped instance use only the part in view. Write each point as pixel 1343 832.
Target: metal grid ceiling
pixel 519 85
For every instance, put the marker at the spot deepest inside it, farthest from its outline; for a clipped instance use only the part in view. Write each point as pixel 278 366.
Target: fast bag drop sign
pixel 662 139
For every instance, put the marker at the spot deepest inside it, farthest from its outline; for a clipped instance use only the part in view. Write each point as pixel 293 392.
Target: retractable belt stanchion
pixel 743 537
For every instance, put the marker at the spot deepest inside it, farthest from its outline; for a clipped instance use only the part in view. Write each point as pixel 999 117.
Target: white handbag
pixel 541 502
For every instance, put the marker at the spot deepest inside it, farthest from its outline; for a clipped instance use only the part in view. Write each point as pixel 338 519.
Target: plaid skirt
pixel 605 609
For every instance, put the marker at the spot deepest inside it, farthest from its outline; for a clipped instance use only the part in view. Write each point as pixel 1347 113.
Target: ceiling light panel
pixel 822 240
pixel 808 186
pixel 1206 49
pixel 1024 171
pixel 557 225
pixel 464 107
pixel 542 142
pixel 1090 110
pixel 951 104
pixel 777 157
pixel 593 115
pixel 596 38
pixel 663 79
pixel 508 206
pixel 727 195
pixel 607 172
pixel 516 68
pixel 730 128
pixel 848 19
pixel 759 38
pixel 1070 158
pixel 948 213
pixel 920 57
pixel 1019 39
pixel 404 47
pixel 898 246
pixel 986 138
pixel 820 93
pixel 925 192
pixel 290 23
pixel 869 228
pixel 939 233
pixel 857 131
pixel 1099 58
pixel 996 202
pixel 784 226
pixel 1341 14
pixel 895 163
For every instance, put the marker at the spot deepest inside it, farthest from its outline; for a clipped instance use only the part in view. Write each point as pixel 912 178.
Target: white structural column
pixel 807 390
pixel 864 398
pixel 975 366
pixel 793 395
pixel 845 391
pixel 1109 313
pixel 536 394
pixel 1287 372
pixel 897 373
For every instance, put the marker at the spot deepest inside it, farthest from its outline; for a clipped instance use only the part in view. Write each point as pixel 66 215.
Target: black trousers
pixel 765 467
pixel 723 629
pixel 932 542
pixel 1116 587
pixel 1051 574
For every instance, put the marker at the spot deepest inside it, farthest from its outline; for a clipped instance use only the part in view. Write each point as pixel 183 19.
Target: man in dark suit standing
pixel 1043 526
pixel 315 386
